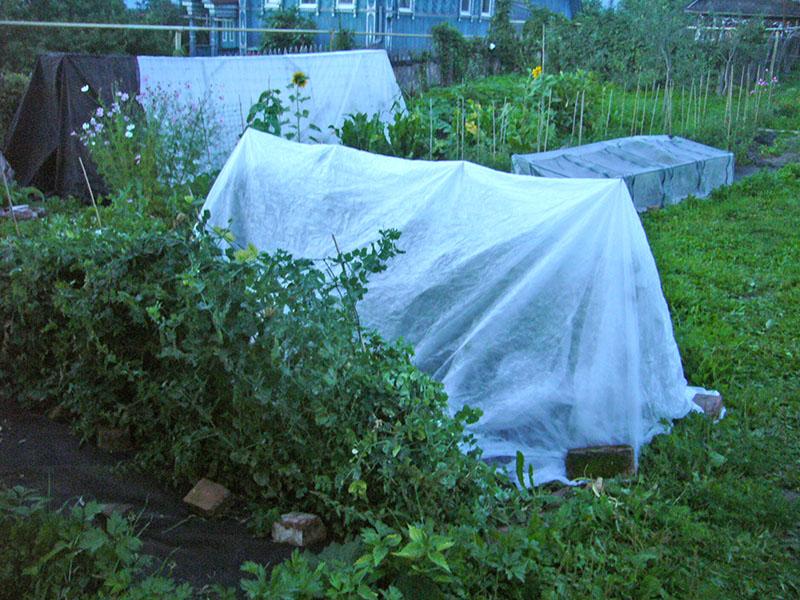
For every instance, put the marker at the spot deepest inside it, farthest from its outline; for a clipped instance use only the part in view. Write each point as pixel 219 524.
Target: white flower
pixel 128 134
pixel 85 89
pixel 86 127
pixel 355 451
pixel 100 112
pixel 130 127
pixel 492 46
pixel 124 97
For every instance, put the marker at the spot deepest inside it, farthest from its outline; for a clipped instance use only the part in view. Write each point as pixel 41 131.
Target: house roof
pixel 747 8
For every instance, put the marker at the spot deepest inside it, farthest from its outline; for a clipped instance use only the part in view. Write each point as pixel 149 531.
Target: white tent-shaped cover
pixel 536 300
pixel 339 83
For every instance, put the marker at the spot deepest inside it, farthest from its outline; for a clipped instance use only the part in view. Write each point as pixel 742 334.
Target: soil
pixel 45 456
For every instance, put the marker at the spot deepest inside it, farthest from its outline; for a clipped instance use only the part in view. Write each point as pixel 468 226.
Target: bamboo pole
pixel 739 100
pixel 635 104
pixel 91 193
pixel 574 118
pixel 580 131
pixel 547 124
pixel 655 105
pixel 608 116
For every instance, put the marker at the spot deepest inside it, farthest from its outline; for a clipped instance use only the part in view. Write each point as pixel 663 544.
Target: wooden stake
pixel 574 117
pixel 635 105
pixel 91 193
pixel 608 116
pixel 580 131
pixel 655 105
pixel 547 123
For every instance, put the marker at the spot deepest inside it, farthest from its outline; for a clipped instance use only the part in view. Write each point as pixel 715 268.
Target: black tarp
pixel 39 145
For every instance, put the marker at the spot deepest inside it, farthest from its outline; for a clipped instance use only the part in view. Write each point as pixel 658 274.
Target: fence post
pixel 333 35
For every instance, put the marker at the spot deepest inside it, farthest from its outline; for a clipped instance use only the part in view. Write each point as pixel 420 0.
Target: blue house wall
pixel 375 17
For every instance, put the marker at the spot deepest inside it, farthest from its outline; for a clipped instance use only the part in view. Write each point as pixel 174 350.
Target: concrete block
pixel 298 529
pixel 208 498
pixel 601 461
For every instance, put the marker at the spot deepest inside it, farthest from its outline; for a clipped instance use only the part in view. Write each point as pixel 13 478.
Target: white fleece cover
pixel 536 300
pixel 339 83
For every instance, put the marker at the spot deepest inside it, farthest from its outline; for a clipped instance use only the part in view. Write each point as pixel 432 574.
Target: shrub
pixel 12 89
pixel 287 18
pixel 451 52
pixel 344 39
pixel 248 368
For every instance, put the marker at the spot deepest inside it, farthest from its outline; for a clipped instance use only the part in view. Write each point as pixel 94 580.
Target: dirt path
pixel 44 455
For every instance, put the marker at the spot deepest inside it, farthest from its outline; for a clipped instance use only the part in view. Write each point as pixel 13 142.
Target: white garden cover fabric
pixel 536 300
pixel 339 83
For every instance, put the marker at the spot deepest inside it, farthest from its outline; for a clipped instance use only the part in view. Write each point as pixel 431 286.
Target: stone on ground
pixel 208 498
pixel 710 403
pixel 298 529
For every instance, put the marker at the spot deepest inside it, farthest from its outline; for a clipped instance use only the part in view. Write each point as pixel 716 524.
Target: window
pixel 228 36
pixel 308 4
pixel 466 8
pixel 346 4
pixel 272 4
pixel 405 6
pixel 486 8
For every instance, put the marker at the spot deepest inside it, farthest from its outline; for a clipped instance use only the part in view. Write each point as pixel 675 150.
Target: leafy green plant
pixel 267 114
pixel 287 18
pixel 47 554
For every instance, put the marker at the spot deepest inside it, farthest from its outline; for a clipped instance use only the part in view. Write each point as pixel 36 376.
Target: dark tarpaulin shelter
pixel 39 145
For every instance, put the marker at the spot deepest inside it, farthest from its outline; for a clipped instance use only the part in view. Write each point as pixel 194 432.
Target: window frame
pixel 461 11
pixel 228 36
pixel 490 11
pixel 405 10
pixel 309 5
pixel 345 5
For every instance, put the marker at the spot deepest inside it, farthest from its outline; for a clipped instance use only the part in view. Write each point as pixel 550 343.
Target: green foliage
pixel 501 33
pixel 287 18
pixel 344 39
pixel 248 368
pixel 405 137
pixel 19 46
pixel 451 52
pixel 267 114
pixel 48 554
pixel 12 89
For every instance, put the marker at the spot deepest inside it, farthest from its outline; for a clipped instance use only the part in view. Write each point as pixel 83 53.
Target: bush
pixel 247 368
pixel 12 89
pixel 288 18
pixel 344 39
pixel 46 554
pixel 451 51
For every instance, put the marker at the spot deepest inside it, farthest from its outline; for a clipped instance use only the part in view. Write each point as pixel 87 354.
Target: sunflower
pixel 299 79
pixel 536 72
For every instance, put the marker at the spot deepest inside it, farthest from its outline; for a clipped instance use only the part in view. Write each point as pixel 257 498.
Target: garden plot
pixel 658 169
pixel 535 300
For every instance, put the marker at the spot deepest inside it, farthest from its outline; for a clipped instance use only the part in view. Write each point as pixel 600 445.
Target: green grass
pixel 730 268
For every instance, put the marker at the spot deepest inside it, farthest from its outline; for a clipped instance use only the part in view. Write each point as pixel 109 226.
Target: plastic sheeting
pixel 339 83
pixel 536 300
pixel 658 169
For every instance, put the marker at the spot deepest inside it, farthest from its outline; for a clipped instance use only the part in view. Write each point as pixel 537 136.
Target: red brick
pixel 208 498
pixel 711 404
pixel 600 461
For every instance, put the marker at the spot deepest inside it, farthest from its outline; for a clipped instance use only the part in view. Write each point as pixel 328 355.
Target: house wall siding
pixel 385 14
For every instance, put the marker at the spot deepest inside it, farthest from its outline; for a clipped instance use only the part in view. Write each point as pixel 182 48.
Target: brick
pixel 711 404
pixel 208 498
pixel 114 439
pixel 601 461
pixel 298 529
